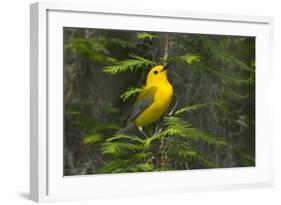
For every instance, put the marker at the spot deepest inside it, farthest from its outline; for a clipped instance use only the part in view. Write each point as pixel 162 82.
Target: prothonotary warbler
pixel 153 100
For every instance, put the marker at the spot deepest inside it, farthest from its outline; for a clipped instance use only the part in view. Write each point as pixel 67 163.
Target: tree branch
pixel 166 48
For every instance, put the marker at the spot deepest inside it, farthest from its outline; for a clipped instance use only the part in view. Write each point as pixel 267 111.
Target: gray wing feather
pixel 144 100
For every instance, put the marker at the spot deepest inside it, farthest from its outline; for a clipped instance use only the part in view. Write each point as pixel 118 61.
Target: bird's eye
pixel 155 72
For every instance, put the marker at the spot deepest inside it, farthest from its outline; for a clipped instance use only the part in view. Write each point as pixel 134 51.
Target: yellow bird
pixel 153 100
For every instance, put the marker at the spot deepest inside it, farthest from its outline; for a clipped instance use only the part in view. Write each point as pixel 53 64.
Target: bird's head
pixel 157 74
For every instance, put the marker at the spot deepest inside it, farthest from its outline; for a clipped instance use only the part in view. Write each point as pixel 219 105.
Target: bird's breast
pixel 162 100
pixel 163 96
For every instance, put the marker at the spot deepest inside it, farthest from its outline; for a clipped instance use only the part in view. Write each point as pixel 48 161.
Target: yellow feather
pixel 157 77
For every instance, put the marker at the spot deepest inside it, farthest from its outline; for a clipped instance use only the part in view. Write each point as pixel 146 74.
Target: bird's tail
pixel 127 128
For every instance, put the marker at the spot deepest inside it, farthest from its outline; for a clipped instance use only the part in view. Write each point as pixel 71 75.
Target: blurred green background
pixel 213 121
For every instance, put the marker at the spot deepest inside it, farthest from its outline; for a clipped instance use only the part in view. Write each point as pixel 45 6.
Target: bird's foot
pixel 141 131
pixel 174 107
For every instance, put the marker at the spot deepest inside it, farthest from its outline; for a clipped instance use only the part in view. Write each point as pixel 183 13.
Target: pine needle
pixel 145 36
pixel 132 91
pixel 118 148
pixel 130 64
pixel 190 108
pixel 189 58
pixel 122 136
pixel 178 127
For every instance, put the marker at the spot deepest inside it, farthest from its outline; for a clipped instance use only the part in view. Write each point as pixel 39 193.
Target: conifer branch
pixel 131 91
pixel 166 48
pixel 136 63
pixel 146 36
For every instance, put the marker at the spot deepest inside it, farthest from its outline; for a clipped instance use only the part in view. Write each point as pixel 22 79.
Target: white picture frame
pixel 47 182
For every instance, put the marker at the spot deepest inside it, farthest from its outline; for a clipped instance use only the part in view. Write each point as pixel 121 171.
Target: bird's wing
pixel 143 101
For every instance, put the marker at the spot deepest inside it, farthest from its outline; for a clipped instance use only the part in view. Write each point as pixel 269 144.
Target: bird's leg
pixel 141 130
pixel 158 127
pixel 156 130
pixel 150 130
pixel 174 107
pixel 159 130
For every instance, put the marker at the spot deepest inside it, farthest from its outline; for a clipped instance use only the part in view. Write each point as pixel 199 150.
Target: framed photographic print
pixel 127 102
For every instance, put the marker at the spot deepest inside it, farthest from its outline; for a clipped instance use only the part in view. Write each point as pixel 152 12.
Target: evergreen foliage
pixel 189 58
pixel 133 64
pixel 131 91
pixel 145 36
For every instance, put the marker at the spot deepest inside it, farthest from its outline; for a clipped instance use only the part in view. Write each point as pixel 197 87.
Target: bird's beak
pixel 166 67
